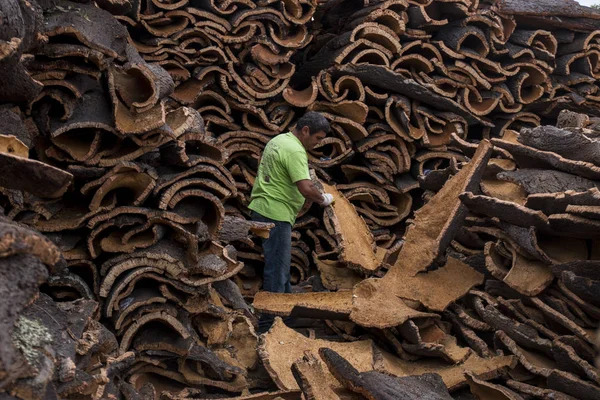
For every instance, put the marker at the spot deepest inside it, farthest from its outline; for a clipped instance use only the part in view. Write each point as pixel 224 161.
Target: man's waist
pixel 273 209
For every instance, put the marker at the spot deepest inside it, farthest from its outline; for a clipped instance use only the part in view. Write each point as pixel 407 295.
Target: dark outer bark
pixel 524 335
pixel 504 210
pixel 375 385
pixel 20 277
pixel 11 124
pixel 383 78
pixel 543 8
pixel 585 268
pixel 570 384
pixel 546 181
pixel 231 292
pixel 97 27
pixel 16 86
pixel 585 288
pixel 569 144
pixel 32 176
pixel 529 157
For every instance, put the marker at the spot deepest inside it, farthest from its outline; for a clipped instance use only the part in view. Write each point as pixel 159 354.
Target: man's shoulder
pixel 288 143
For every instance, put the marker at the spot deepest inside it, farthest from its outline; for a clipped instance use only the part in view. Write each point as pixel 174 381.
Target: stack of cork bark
pixel 395 78
pixel 460 250
pixel 496 280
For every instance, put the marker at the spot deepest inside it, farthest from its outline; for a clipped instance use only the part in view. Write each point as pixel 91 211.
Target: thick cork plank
pixel 355 239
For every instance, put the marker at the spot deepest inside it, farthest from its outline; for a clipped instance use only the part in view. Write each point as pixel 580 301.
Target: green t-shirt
pixel 275 194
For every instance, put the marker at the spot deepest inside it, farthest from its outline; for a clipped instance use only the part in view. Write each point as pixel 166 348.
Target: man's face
pixel 310 141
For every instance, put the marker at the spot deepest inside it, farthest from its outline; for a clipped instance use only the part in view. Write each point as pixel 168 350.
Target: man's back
pixel 275 195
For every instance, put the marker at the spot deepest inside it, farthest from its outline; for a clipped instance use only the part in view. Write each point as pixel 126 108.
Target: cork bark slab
pixel 434 227
pixel 569 144
pixel 281 347
pixel 376 385
pixel 530 157
pixel 375 305
pixel 310 375
pixel 452 375
pixel 437 221
pixel 354 237
pixel 335 275
pixel 323 305
pixel 33 176
pixel 486 390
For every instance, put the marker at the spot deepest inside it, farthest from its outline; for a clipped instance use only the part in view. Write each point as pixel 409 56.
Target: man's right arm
pixel 310 192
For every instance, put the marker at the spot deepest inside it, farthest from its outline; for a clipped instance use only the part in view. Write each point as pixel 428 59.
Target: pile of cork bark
pixel 460 251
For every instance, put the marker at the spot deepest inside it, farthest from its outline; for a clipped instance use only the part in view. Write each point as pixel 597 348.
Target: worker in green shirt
pixel 280 190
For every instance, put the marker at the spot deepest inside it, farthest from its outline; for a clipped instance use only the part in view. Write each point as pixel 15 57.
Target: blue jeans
pixel 277 250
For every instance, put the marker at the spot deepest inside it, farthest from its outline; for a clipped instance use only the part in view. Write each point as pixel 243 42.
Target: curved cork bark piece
pixel 536 181
pixel 354 238
pixel 570 361
pixel 127 180
pixel 534 362
pixel 434 342
pixel 560 319
pixel 584 287
pixel 200 205
pixel 130 123
pixel 464 39
pixel 538 392
pixel 69 286
pixel 320 305
pixel 310 375
pixel 193 148
pixel 505 211
pixel 452 375
pixel 557 203
pixel 487 390
pixel 569 144
pixel 528 277
pixel 35 177
pixel 376 385
pixel 140 86
pixel 282 346
pixel 91 26
pixel 335 275
pixel 140 297
pixel 10 144
pixel 529 157
pixel 205 169
pixel 524 335
pixel 374 75
pixel 572 385
pixel 574 226
pixel 92 115
pixel 302 97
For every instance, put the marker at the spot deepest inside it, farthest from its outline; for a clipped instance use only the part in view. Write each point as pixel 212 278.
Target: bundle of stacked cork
pixel 130 137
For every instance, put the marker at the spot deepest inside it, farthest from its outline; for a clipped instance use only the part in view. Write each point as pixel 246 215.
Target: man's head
pixel 311 129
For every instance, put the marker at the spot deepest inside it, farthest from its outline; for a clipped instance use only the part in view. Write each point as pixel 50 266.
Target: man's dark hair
pixel 315 122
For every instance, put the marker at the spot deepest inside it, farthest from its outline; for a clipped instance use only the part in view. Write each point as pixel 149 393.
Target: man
pixel 280 190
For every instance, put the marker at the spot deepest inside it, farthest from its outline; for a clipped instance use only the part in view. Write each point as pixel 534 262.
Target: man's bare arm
pixel 310 192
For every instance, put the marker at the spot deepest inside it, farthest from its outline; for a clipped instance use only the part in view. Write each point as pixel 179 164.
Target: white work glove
pixel 327 200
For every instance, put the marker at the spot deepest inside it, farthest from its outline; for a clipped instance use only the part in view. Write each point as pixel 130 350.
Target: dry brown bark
pixel 132 135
